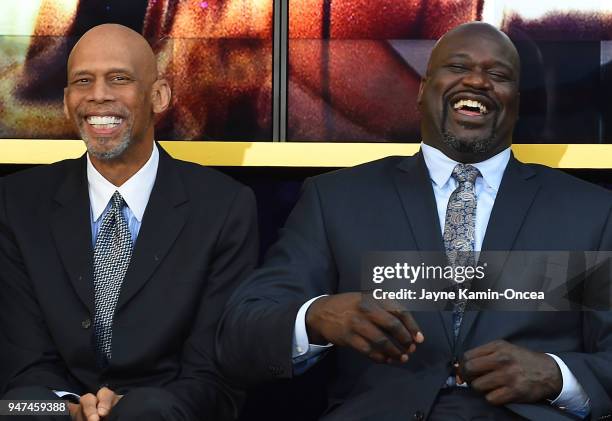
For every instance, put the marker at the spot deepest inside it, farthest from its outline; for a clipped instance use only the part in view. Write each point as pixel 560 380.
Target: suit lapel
pixel 163 220
pixel 71 230
pixel 516 194
pixel 414 187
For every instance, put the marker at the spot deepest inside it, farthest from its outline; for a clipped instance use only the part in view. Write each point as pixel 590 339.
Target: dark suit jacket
pixel 389 205
pixel 198 239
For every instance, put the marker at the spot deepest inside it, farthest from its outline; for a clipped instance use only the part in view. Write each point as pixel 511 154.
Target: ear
pixel 160 96
pixel 66 106
pixel 421 87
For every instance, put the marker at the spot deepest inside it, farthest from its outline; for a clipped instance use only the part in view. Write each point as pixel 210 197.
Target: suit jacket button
pixel 276 370
pixel 418 416
pixel 85 324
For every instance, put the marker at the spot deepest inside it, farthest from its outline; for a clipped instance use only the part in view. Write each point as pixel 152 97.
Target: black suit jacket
pixel 389 205
pixel 197 240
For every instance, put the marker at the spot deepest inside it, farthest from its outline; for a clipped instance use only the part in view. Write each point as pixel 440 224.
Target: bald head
pixel 123 40
pixel 479 30
pixel 469 96
pixel 113 93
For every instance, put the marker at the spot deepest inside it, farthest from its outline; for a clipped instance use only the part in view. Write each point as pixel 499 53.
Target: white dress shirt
pixel 440 167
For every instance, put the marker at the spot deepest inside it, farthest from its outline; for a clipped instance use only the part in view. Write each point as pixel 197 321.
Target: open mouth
pixel 104 122
pixel 470 107
pixel 104 125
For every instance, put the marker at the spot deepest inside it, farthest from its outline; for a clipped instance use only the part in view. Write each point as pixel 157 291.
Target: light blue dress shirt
pixel 135 192
pixel 572 397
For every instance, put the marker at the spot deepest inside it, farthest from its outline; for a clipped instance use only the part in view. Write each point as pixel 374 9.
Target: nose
pixel 478 79
pixel 100 92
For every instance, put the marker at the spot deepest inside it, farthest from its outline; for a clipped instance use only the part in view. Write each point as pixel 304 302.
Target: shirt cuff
pixel 572 398
pixel 69 396
pixel 302 348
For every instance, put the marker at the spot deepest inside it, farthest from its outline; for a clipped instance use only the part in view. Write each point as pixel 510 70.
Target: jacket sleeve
pixel 593 366
pixel 256 331
pixel 29 356
pixel 200 385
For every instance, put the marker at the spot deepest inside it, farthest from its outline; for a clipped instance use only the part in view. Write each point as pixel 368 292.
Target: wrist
pixel 554 379
pixel 311 319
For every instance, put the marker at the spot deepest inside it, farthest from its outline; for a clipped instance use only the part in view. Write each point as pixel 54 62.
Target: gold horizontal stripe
pixel 300 154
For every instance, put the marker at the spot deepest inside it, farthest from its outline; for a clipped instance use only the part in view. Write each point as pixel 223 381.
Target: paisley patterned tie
pixel 111 259
pixel 459 229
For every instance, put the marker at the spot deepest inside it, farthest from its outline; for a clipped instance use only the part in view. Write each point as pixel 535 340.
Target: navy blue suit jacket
pixel 389 205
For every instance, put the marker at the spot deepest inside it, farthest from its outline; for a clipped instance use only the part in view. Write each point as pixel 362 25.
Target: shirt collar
pixel 135 191
pixel 441 166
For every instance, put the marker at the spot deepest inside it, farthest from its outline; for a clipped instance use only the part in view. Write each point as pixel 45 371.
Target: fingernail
pixel 419 337
pixel 412 348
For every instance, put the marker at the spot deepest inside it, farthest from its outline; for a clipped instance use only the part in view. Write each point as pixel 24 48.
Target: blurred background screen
pixel 217 56
pixel 353 66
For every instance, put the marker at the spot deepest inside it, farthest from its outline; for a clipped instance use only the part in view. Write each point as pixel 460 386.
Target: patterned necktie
pixel 459 229
pixel 111 258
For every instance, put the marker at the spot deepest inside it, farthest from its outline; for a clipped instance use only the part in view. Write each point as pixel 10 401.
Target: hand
pixel 507 373
pixel 354 320
pixel 94 407
pixel 107 399
pixel 76 414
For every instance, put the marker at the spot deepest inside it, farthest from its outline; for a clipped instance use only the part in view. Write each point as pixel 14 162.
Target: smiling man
pixel 469 97
pixel 463 192
pixel 116 265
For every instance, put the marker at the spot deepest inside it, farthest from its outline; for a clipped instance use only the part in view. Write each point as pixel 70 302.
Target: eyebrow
pixel 112 70
pixel 505 64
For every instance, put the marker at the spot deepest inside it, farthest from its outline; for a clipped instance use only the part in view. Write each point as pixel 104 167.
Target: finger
pixel 88 407
pixel 391 325
pixel 500 396
pixel 413 327
pixel 396 321
pixel 406 318
pixel 483 350
pixel 489 381
pixel 74 409
pixel 363 346
pixel 105 401
pixel 479 366
pixel 379 341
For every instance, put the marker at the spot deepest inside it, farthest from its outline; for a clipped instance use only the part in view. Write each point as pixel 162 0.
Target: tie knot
pixel 465 173
pixel 117 200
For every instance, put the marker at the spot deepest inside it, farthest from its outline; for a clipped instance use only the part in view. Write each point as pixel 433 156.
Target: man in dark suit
pixel 115 267
pixel 463 192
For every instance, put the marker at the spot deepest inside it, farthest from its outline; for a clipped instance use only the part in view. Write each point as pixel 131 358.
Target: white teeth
pixel 104 122
pixel 470 103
